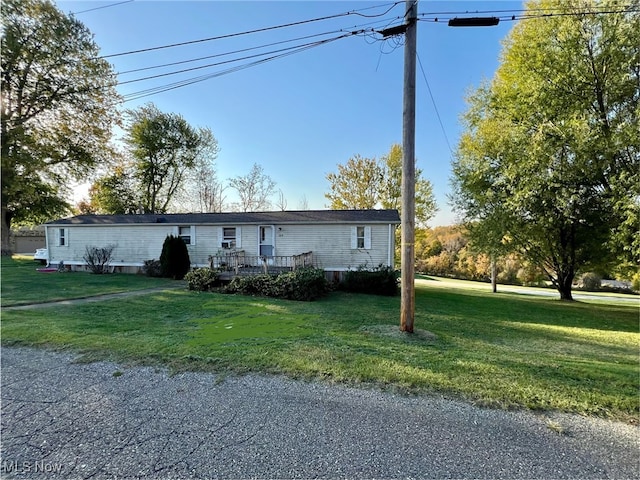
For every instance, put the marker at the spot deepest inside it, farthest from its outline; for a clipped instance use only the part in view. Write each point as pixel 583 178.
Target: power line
pixel 295 47
pixel 275 54
pixel 103 6
pixel 424 75
pixel 360 28
pixel 248 32
pixel 242 50
pixel 517 17
pixel 190 81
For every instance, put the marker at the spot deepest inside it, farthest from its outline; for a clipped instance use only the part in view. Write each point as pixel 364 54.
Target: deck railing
pixel 239 263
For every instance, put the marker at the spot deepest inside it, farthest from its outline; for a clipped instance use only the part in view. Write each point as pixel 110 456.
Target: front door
pixel 266 241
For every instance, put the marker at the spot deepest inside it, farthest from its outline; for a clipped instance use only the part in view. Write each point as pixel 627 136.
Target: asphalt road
pixel 69 420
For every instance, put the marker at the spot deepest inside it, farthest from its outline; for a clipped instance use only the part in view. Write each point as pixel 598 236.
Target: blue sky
pixel 302 115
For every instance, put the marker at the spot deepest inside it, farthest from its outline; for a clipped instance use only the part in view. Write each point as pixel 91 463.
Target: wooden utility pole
pixel 408 254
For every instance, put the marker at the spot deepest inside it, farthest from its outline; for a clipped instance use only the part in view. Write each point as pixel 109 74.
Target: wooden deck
pixel 235 264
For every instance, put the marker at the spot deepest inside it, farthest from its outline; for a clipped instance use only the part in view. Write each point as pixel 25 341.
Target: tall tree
pixel 391 187
pixel 114 193
pixel 356 186
pixel 550 159
pixel 164 147
pixel 364 183
pixel 205 188
pixel 254 190
pixel 202 190
pixel 57 111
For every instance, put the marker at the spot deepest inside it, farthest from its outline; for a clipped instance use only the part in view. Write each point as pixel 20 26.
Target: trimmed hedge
pixel 380 280
pixel 305 284
pixel 202 279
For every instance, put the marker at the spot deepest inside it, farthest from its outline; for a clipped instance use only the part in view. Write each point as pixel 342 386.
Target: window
pixel 63 237
pixel 361 238
pixel 185 234
pixel 229 237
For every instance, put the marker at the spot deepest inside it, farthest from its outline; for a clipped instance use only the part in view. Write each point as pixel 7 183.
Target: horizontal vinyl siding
pixel 330 244
pixel 133 245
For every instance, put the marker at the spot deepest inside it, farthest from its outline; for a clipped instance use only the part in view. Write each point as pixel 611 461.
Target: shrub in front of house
pixel 381 280
pixel 174 259
pixel 260 285
pixel 98 259
pixel 305 284
pixel 202 279
pixel 152 268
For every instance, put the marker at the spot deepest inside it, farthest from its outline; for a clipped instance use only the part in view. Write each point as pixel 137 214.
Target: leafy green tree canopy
pixel 57 111
pixel 364 183
pixel 114 193
pixel 550 159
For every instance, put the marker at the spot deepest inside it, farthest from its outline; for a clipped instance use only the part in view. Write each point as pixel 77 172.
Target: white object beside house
pixel 339 240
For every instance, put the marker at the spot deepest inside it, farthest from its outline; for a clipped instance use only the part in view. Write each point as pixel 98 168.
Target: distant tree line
pixel 450 252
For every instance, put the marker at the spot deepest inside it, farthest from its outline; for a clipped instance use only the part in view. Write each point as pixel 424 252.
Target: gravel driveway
pixel 62 419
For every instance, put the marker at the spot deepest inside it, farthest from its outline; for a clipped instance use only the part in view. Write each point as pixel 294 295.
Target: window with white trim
pixel 186 234
pixel 229 238
pixel 361 238
pixel 63 237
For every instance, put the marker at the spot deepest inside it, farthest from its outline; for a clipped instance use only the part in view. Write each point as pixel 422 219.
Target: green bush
pixel 202 279
pixel 381 280
pixel 305 284
pixel 260 285
pixel 174 259
pixel 152 268
pixel 590 282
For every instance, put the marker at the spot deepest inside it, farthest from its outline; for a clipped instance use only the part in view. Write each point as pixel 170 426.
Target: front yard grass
pixel 502 350
pixel 23 284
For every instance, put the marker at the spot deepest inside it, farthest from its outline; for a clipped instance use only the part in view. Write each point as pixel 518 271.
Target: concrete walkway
pixel 69 420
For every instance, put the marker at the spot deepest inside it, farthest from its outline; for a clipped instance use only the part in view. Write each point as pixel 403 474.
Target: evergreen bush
pixel 174 259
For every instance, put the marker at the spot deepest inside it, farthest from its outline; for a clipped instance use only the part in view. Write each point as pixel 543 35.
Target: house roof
pixel 236 218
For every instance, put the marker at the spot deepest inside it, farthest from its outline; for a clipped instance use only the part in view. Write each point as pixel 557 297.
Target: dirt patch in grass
pixel 393 331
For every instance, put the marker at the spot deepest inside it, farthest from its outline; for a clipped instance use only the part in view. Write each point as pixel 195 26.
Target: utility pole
pixel 407 251
pixel 407 220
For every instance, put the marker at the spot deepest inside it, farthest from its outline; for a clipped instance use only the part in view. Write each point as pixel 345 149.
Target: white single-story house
pixel 337 240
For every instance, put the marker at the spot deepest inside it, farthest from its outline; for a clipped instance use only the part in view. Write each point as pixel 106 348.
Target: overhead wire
pixel 360 27
pixel 367 33
pixel 248 32
pixel 433 101
pixel 101 7
pixel 295 47
pixel 514 16
pixel 190 81
pixel 233 52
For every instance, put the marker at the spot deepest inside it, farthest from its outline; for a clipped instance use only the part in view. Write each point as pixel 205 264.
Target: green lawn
pixel 22 283
pixel 503 350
